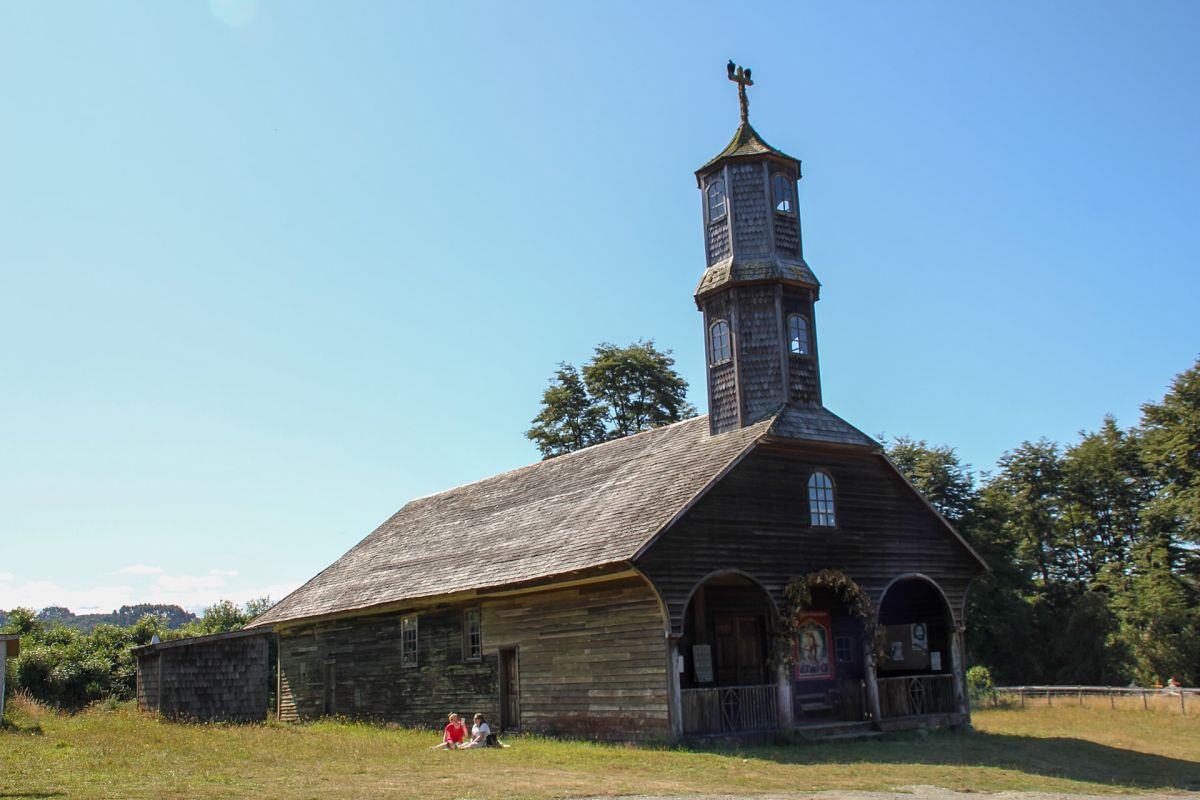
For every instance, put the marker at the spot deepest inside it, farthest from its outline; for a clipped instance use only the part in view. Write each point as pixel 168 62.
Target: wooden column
pixel 872 685
pixel 958 670
pixel 674 698
pixel 783 697
pixel 3 666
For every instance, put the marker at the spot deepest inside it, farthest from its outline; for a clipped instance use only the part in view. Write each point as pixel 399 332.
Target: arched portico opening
pixel 727 681
pixel 918 670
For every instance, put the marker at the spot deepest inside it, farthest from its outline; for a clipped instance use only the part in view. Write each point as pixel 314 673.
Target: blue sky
pixel 269 270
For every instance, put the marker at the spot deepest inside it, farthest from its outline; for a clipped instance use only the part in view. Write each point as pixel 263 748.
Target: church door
pixel 741 649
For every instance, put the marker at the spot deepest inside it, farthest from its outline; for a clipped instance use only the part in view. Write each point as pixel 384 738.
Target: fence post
pixel 1112 701
pixel 1182 707
pixel 1081 697
pixel 1022 693
pixel 1144 706
pixel 1049 701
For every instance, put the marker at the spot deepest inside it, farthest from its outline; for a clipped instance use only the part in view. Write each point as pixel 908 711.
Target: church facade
pixel 759 568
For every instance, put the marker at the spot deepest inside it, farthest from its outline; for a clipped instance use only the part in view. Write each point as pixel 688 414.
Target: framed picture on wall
pixel 814 653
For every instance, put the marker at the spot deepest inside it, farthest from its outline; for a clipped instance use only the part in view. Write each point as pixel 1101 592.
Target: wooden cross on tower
pixel 741 77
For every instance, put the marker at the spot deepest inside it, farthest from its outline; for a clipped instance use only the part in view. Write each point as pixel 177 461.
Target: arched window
pixel 781 193
pixel 716 200
pixel 820 500
pixel 797 327
pixel 718 339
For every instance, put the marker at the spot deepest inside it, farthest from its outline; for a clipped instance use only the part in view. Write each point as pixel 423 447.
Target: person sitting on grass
pixel 481 735
pixel 453 734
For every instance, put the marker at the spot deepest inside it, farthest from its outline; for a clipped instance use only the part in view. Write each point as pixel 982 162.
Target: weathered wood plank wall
pixel 591 663
pixel 757 521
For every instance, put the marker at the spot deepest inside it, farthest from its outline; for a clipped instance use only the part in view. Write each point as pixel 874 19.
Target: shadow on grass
pixel 1071 759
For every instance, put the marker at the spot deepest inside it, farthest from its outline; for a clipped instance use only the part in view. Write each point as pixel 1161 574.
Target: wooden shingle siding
pixel 749 201
pixel 592 663
pixel 756 521
pixel 225 680
pixel 760 373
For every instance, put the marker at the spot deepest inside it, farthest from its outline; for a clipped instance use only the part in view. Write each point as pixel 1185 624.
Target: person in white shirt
pixel 479 733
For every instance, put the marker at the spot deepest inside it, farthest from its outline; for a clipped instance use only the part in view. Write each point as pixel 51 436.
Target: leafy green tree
pixel 621 391
pixel 569 419
pixel 938 474
pixel 1171 450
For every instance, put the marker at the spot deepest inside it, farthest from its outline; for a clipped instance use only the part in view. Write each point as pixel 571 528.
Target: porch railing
pixel 915 695
pixel 729 709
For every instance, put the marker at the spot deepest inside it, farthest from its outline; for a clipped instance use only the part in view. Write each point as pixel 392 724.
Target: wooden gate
pixel 729 709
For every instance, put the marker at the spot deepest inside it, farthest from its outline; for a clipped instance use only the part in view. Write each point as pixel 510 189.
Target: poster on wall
pixel 920 637
pixel 814 651
pixel 702 664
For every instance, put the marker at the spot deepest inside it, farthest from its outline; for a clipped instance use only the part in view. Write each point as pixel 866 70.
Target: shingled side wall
pixel 592 663
pixel 220 681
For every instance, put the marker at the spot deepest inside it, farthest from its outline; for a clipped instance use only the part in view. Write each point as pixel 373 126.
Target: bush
pixel 979 683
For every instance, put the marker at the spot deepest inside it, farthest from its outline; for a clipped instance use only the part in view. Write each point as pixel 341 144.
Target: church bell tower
pixel 757 294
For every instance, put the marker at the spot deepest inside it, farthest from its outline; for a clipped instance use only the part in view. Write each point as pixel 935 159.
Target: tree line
pixel 68 668
pixel 1093 546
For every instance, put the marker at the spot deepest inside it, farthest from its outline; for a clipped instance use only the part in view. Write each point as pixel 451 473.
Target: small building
pixel 10 647
pixel 761 567
pixel 223 677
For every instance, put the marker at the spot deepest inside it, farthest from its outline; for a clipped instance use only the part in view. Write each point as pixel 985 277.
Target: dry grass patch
pixel 110 754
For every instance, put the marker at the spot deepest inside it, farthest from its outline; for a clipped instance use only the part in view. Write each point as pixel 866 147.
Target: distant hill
pixel 174 616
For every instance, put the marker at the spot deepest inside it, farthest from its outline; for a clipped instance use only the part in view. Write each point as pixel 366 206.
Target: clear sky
pixel 268 270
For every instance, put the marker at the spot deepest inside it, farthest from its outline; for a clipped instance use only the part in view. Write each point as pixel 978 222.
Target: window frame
pixel 472 639
pixel 807 351
pixel 708 205
pixel 728 339
pixel 782 179
pixel 818 516
pixel 409 624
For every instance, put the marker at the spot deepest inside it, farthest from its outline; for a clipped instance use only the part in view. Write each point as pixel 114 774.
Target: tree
pixel 938 474
pixel 1171 450
pixel 622 390
pixel 569 419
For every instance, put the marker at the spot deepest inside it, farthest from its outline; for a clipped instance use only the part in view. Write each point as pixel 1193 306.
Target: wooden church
pixel 763 567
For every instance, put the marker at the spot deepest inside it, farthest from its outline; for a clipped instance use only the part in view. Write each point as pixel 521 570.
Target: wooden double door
pixel 740 644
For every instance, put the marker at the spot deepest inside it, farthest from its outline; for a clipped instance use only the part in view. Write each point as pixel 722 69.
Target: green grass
pixel 121 753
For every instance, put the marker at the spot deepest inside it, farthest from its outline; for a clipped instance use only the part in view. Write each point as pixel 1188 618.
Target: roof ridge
pixel 559 459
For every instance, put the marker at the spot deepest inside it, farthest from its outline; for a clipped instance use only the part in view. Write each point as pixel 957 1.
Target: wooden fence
pixel 1129 697
pixel 915 695
pixel 729 709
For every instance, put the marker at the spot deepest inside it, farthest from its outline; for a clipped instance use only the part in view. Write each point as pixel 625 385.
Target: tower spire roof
pixel 746 142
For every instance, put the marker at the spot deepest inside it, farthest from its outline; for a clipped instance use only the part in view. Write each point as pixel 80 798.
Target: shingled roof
pixel 746 143
pixel 592 508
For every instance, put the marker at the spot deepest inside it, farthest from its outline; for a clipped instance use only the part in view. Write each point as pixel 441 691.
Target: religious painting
pixel 920 637
pixel 814 653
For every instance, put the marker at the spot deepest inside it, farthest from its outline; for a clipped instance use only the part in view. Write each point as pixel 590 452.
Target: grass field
pixel 121 753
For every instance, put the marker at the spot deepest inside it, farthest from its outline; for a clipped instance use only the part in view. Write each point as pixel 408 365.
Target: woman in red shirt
pixel 453 734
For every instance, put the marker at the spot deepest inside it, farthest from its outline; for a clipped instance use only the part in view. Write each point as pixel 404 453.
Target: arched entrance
pixel 918 673
pixel 726 683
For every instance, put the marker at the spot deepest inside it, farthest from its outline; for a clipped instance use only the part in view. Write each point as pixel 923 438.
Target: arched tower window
pixel 797 327
pixel 820 500
pixel 718 339
pixel 781 193
pixel 716 200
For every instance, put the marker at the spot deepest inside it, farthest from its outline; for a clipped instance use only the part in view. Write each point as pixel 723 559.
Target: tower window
pixel 781 193
pixel 820 500
pixel 797 334
pixel 716 200
pixel 718 339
